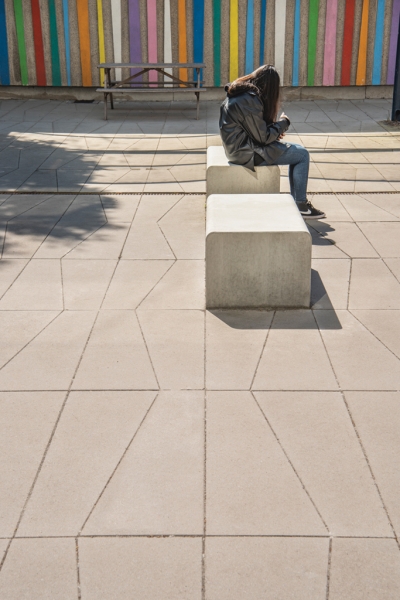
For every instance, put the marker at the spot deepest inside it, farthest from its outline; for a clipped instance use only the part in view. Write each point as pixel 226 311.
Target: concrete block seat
pixel 258 252
pixel 225 178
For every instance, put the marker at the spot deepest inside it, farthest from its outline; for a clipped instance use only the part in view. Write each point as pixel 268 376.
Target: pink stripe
pixel 330 43
pixel 152 36
pixel 393 42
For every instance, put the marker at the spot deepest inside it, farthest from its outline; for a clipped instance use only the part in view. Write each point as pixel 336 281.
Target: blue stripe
pixel 198 32
pixel 296 44
pixel 262 29
pixel 4 67
pixel 249 67
pixel 67 44
pixel 378 48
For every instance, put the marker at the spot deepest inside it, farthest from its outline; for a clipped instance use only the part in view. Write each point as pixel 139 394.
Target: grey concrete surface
pixel 258 252
pixel 152 449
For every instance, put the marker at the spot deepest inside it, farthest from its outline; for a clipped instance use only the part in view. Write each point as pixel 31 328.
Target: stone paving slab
pixel 151 448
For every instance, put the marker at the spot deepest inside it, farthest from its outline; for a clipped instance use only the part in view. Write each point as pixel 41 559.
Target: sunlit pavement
pixel 150 449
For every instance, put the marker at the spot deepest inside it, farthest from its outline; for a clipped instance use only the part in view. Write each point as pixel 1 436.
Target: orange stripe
pixel 84 40
pixel 362 48
pixel 182 48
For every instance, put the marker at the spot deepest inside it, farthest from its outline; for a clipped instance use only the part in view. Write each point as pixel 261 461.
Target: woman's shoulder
pixel 245 97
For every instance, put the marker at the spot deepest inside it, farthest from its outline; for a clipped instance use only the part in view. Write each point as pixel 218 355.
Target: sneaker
pixel 308 211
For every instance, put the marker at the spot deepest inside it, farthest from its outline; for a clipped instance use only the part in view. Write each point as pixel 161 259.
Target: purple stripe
pixel 135 45
pixel 393 42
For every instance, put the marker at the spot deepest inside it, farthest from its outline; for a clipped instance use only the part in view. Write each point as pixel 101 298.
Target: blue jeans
pixel 298 159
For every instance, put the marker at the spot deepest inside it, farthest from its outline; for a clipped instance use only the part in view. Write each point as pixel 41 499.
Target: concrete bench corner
pixel 224 178
pixel 258 252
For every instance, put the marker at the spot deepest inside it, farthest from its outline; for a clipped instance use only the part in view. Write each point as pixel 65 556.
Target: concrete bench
pixel 225 178
pixel 258 252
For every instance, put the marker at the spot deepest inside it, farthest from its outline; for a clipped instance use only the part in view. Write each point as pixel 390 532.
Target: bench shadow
pixel 296 318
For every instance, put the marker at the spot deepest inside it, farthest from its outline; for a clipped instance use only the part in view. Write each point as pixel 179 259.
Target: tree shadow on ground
pixel 29 220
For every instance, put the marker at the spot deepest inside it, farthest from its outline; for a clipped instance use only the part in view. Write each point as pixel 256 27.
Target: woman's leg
pixel 298 159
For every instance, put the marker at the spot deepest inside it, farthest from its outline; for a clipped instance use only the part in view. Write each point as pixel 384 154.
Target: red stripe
pixel 38 43
pixel 348 41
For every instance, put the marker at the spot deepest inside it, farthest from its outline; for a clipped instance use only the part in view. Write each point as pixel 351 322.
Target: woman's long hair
pixel 265 82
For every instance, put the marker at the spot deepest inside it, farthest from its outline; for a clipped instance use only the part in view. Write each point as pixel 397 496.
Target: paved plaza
pixel 153 450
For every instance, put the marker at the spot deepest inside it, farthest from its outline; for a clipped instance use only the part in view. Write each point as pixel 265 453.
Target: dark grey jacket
pixel 244 131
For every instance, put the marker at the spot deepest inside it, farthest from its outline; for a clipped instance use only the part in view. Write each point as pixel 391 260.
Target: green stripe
pixel 19 25
pixel 217 42
pixel 55 53
pixel 312 39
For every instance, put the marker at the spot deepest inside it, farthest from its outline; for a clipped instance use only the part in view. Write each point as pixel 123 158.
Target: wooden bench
pixel 128 85
pixel 224 178
pixel 258 252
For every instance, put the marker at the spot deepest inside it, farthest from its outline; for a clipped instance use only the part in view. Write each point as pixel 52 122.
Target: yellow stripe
pixel 362 48
pixel 102 50
pixel 234 41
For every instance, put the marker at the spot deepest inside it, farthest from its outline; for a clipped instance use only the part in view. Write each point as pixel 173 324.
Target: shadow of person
pixel 320 236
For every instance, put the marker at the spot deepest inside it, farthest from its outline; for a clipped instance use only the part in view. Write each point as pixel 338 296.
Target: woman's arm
pixel 257 128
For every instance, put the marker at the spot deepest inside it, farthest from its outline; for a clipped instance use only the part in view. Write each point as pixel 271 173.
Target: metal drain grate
pixel 105 193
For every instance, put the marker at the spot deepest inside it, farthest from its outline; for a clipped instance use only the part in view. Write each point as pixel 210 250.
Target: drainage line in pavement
pixel 104 193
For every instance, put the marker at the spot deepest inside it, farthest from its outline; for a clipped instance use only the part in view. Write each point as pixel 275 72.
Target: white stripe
pixel 167 36
pixel 280 27
pixel 117 31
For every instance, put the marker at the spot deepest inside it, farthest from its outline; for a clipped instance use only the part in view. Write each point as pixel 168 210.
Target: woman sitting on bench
pixel 251 133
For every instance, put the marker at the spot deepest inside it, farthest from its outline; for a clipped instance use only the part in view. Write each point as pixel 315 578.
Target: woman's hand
pixel 283 116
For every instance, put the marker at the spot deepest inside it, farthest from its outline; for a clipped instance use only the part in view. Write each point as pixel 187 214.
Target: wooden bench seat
pixel 176 86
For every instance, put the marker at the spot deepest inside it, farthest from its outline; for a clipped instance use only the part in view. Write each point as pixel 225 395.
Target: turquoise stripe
pixel 217 42
pixel 263 23
pixel 54 50
pixel 198 32
pixel 296 44
pixel 378 48
pixel 249 66
pixel 67 42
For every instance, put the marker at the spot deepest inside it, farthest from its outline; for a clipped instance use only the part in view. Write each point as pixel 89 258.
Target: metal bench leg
pixel 198 105
pixel 105 107
pixel 111 101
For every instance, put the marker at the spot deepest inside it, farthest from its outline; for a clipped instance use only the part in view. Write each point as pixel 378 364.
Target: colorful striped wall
pixel 312 42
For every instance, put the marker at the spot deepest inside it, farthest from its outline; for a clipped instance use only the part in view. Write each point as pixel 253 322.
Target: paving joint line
pixel 351 311
pixel 203 542
pixel 291 464
pixel 200 535
pixel 262 350
pixel 55 224
pixel 363 450
pixel 160 228
pixel 78 574
pixel 371 470
pixel 35 479
pixel 147 350
pixel 139 306
pixel 118 463
pixel 60 312
pixel 328 574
